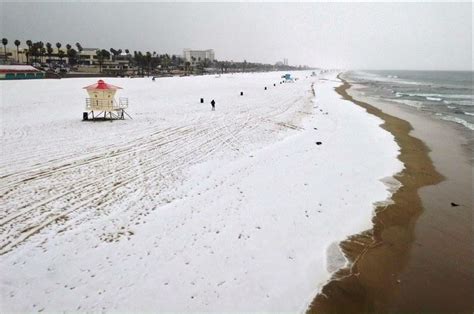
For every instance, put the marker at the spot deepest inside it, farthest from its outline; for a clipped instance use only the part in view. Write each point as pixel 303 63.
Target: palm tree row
pixel 37 51
pixel 144 62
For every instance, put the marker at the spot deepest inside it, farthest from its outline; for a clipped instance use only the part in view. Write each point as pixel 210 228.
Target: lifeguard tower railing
pixel 106 104
pixel 110 108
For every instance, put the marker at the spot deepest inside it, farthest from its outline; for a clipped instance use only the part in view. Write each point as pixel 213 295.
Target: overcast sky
pixel 336 35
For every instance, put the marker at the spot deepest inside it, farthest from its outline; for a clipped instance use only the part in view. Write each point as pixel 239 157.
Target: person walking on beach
pixel 213 104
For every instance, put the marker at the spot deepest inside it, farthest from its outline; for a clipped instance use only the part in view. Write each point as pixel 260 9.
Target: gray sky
pixel 343 35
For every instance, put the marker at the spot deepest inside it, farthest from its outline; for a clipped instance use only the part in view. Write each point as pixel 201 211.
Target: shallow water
pixel 447 95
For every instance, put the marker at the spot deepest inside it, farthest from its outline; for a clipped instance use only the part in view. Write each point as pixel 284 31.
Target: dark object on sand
pixel 241 93
pixel 454 204
pixel 318 143
pixel 265 88
pixel 274 84
pixel 202 100
pixel 153 78
pixel 213 104
pixel 85 116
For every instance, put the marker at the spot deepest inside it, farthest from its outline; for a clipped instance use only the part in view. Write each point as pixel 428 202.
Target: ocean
pixel 447 95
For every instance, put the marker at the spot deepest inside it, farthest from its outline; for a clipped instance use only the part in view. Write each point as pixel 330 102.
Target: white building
pixel 88 56
pixel 194 56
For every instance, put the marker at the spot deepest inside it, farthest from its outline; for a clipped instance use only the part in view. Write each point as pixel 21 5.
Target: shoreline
pixel 438 276
pixel 379 255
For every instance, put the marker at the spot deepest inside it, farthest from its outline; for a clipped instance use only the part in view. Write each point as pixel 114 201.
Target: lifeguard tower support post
pixel 101 103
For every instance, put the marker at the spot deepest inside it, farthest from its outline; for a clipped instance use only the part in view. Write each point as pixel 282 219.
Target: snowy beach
pixel 184 208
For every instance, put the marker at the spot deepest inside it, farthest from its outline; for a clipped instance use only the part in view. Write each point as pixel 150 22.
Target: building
pixel 19 72
pixel 88 56
pixel 89 62
pixel 195 56
pixel 86 59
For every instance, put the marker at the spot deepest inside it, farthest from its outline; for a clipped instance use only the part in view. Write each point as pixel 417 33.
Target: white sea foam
pixel 411 103
pixel 459 121
pixel 458 102
pixel 382 78
pixel 434 98
pixel 436 95
pixel 335 259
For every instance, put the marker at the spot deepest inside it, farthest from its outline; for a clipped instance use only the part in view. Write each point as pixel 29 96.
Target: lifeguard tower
pixel 101 103
pixel 288 78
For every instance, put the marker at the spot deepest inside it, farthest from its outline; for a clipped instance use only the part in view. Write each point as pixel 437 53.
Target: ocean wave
pixel 434 98
pixel 458 102
pixel 384 78
pixel 411 103
pixel 459 121
pixel 436 95
pixel 469 113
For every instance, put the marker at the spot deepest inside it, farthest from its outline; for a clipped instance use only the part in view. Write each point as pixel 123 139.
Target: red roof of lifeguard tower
pixel 102 85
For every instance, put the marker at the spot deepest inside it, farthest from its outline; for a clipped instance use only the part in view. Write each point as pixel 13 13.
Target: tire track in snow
pixel 174 149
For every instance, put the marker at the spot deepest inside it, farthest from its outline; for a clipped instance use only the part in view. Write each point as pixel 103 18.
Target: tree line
pixel 38 51
pixel 145 63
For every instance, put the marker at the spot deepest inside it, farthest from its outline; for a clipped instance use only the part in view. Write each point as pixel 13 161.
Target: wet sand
pixel 418 256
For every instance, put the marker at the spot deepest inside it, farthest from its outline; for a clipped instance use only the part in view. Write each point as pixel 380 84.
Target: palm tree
pixel 72 56
pixel 34 51
pixel 58 46
pixel 61 55
pixel 4 43
pixel 79 50
pixel 166 61
pixel 114 53
pixel 68 48
pixel 148 61
pixel 29 43
pixel 174 60
pixel 101 55
pixel 49 50
pixel 17 44
pixel 27 54
pixel 41 50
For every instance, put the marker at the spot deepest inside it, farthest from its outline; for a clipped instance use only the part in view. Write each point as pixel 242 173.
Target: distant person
pixel 153 78
pixel 213 104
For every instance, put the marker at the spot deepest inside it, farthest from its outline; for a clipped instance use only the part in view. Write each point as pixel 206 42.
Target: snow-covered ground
pixel 182 208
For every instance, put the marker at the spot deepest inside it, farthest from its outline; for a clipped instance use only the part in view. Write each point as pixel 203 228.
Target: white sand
pixel 232 210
